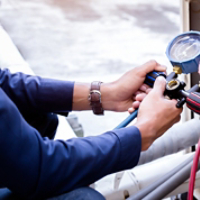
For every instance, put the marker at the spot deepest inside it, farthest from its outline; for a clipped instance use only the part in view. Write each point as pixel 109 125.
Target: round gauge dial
pixel 185 48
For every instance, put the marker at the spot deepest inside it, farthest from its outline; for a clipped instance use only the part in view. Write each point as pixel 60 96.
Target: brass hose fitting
pixel 177 70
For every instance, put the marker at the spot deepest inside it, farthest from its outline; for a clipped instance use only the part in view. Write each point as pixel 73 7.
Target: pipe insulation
pixel 144 192
pixel 177 138
pixel 137 179
pixel 173 182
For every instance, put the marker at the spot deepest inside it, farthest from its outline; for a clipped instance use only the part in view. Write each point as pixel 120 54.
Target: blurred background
pixel 88 40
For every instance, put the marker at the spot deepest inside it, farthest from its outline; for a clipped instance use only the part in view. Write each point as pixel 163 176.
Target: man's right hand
pixel 156 114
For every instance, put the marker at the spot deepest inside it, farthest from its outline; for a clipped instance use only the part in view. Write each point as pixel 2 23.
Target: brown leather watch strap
pixel 95 98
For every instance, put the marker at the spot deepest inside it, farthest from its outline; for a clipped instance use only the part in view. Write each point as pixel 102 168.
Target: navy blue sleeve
pixel 36 167
pixel 36 93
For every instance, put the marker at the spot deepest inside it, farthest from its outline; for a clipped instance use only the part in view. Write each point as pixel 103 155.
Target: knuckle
pixel 174 101
pixel 171 104
pixel 152 62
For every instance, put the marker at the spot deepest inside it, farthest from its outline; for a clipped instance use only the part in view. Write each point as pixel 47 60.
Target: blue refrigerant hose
pixel 150 79
pixel 130 118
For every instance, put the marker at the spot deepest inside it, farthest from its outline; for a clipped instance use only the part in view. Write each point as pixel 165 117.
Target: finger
pixel 174 102
pixel 159 85
pixel 165 72
pixel 136 104
pixel 153 65
pixel 144 87
pixel 138 92
pixel 179 110
pixel 140 97
pixel 161 68
pixel 148 90
pixel 130 110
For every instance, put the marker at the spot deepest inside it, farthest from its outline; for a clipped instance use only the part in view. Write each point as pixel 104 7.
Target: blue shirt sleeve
pixel 36 167
pixel 81 161
pixel 36 93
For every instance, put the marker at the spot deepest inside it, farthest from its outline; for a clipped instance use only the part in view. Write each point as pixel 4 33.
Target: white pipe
pixel 177 138
pixel 140 177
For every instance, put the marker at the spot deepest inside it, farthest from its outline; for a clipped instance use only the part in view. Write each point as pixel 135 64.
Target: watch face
pixel 185 48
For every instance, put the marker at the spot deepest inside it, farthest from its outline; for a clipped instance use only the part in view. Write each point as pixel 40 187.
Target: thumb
pixel 151 66
pixel 159 85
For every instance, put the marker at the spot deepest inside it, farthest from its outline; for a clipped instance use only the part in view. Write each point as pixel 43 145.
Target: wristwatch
pixel 95 98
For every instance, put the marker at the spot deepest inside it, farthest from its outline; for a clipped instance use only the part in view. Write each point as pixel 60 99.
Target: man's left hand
pixel 128 91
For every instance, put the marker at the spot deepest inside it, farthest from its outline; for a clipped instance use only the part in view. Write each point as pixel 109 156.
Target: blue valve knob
pixel 151 77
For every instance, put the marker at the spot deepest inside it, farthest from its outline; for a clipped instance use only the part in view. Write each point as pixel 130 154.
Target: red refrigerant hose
pixel 193 172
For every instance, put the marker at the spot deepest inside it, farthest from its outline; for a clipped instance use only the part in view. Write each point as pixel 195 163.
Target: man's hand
pixel 156 114
pixel 120 95
pixel 127 92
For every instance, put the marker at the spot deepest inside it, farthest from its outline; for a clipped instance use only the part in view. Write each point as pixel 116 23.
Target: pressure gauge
pixel 184 52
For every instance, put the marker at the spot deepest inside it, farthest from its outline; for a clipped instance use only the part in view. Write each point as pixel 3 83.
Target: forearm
pixel 49 95
pixel 81 96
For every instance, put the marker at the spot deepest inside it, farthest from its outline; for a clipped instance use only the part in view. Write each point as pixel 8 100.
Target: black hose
pixel 142 193
pixel 171 184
